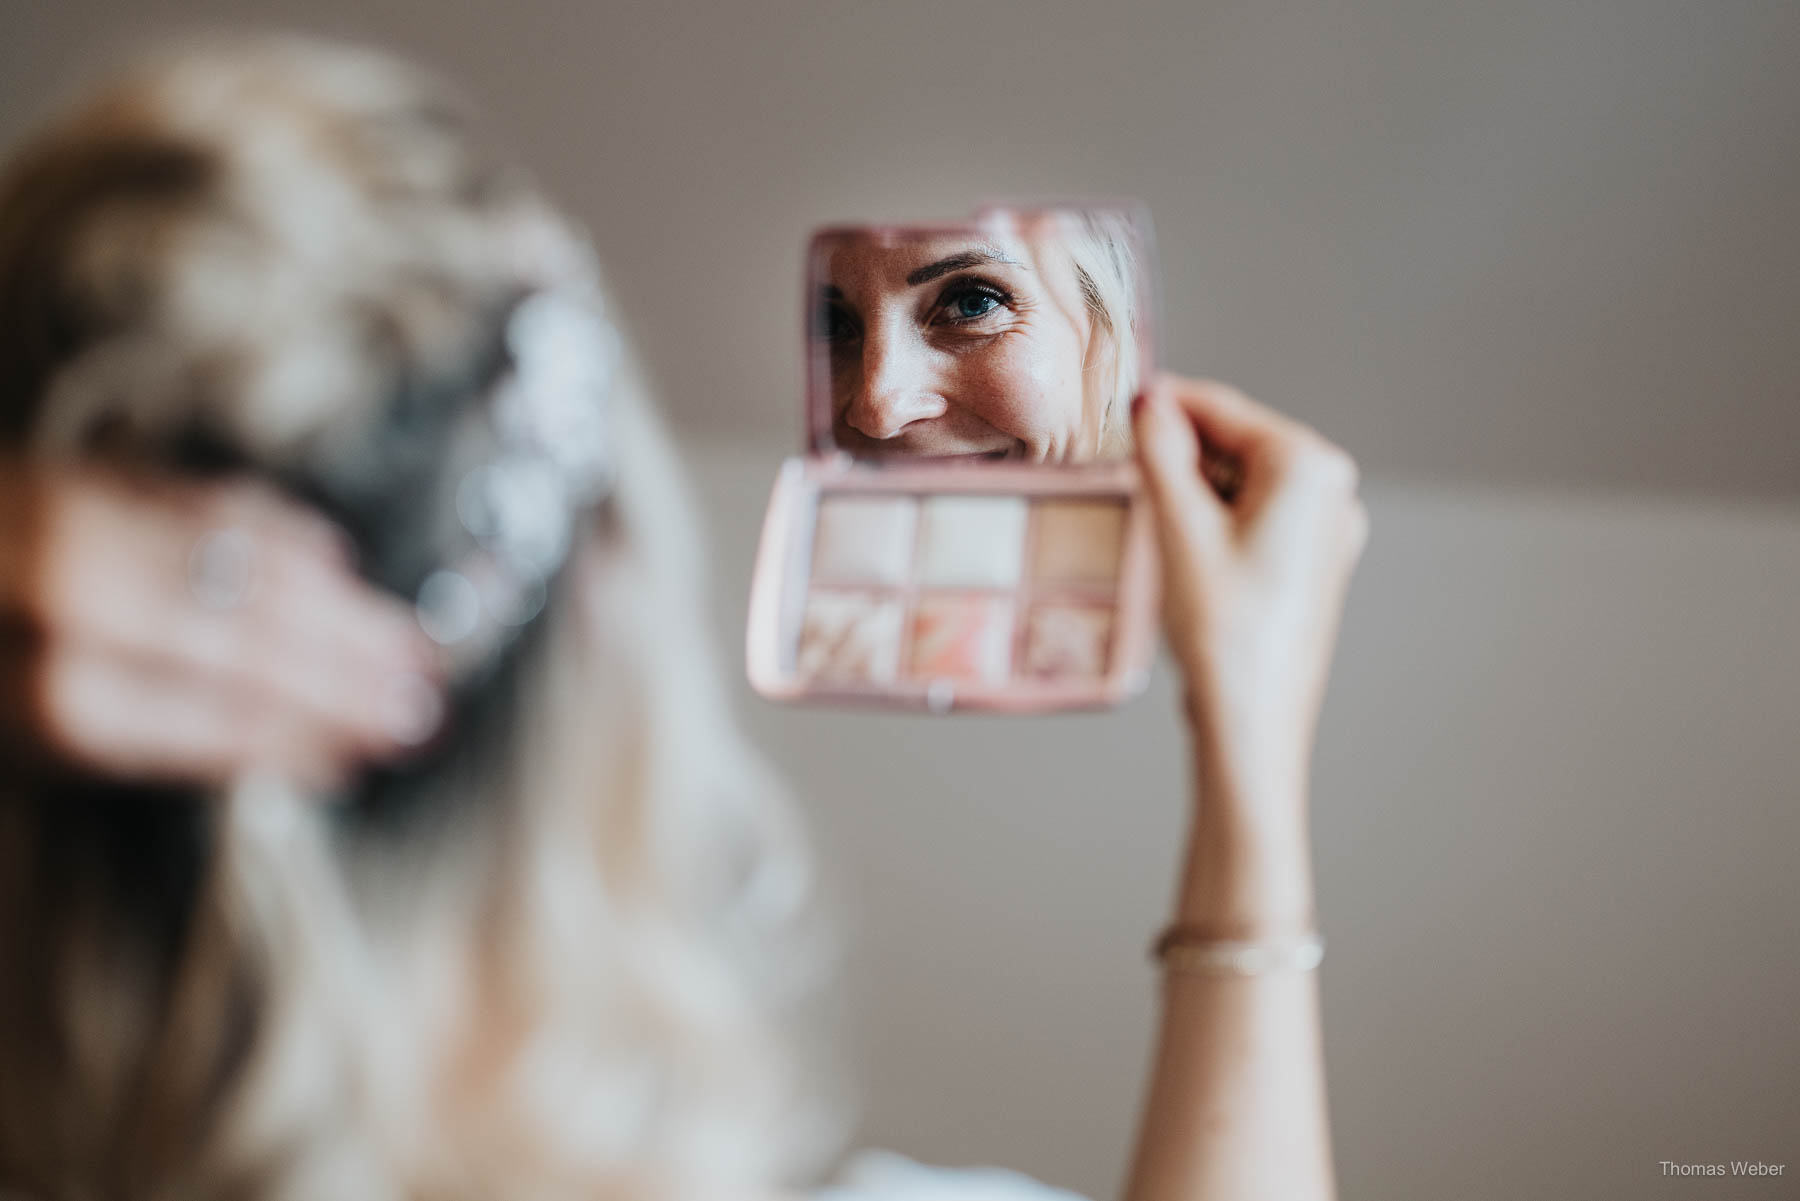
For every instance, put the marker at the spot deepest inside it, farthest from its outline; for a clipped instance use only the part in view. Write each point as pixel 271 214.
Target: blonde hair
pixel 1105 246
pixel 572 974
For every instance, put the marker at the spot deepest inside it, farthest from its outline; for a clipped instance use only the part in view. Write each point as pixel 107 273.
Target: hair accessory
pixel 221 569
pixel 551 460
pixel 1182 950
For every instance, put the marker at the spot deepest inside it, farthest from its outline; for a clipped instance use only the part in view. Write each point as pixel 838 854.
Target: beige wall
pixel 1539 241
pixel 1556 820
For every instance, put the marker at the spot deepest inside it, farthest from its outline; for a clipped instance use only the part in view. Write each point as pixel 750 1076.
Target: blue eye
pixel 975 304
pixel 971 300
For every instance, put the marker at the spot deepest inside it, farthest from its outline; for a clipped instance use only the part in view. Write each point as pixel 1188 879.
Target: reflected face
pixel 964 345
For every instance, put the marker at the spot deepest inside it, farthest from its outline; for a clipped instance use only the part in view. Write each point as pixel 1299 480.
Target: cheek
pixel 1023 383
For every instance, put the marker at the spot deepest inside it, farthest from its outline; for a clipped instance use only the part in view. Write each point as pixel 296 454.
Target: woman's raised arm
pixel 1253 590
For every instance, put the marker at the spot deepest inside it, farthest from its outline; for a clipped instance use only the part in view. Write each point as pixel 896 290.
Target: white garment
pixel 885 1176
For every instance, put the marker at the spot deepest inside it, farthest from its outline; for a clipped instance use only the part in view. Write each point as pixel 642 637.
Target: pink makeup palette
pixel 1011 588
pixel 969 583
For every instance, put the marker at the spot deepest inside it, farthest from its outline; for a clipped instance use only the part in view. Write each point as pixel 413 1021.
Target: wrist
pixel 1240 884
pixel 1248 768
pixel 1248 868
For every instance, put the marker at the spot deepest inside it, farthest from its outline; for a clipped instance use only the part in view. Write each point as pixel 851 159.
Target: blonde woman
pixel 332 481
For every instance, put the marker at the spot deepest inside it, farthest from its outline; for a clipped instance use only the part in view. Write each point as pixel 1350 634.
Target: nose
pixel 896 387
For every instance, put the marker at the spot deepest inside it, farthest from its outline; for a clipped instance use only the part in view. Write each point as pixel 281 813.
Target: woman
pixel 293 375
pixel 1018 342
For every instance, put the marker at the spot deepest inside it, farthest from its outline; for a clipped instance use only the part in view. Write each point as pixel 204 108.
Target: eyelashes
pixel 964 303
pixel 971 299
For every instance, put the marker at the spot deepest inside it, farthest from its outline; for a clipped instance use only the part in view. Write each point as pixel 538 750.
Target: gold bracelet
pixel 1183 950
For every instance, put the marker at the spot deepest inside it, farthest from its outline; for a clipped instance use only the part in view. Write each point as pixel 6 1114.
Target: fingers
pixel 128 720
pixel 1290 474
pixel 259 511
pixel 311 639
pixel 1230 420
pixel 307 670
pixel 1274 452
pixel 1169 454
pixel 334 656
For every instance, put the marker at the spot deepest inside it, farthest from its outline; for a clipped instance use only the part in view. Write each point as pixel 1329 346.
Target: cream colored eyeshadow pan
pixel 864 539
pixel 971 541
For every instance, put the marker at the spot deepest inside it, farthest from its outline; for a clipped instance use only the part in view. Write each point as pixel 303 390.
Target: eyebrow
pixel 956 262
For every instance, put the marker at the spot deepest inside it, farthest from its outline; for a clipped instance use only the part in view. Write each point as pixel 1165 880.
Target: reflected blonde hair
pixel 574 974
pixel 1105 247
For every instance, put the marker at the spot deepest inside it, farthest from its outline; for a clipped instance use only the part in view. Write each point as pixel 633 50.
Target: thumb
pixel 1168 451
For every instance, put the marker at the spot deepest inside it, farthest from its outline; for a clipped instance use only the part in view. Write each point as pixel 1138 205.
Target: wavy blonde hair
pixel 1105 245
pixel 572 973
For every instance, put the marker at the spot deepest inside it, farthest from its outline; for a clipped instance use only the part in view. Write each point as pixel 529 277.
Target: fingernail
pixel 1137 404
pixel 412 710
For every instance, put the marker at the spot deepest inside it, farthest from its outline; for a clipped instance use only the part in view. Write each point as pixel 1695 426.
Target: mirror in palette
pixel 1021 335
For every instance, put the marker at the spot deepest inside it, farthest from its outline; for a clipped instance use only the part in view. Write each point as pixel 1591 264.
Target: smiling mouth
pixel 862 446
pixel 983 456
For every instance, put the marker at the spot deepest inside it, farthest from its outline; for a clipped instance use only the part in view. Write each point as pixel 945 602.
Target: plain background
pixel 1536 265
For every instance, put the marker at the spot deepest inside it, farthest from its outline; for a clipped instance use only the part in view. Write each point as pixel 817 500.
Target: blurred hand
pixel 1253 586
pixel 190 631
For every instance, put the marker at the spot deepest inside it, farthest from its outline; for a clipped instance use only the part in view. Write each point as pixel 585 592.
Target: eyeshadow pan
pixel 1077 541
pixel 962 637
pixel 850 637
pixel 972 541
pixel 1066 640
pixel 864 539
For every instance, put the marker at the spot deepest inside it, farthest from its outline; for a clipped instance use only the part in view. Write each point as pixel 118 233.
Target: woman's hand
pixel 1253 588
pixel 187 632
pixel 1254 585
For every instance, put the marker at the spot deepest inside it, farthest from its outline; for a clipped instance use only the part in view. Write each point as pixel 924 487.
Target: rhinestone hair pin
pixel 552 461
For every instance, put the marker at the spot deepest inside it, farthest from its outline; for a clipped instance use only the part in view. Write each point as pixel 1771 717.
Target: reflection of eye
pixel 969 300
pixel 833 323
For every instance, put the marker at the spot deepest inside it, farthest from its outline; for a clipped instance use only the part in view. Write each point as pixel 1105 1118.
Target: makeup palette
pixel 966 583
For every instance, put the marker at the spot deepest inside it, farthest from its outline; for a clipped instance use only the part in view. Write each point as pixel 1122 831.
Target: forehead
pixel 883 260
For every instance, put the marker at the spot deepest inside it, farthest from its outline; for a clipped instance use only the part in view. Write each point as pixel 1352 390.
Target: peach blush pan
pixel 962 637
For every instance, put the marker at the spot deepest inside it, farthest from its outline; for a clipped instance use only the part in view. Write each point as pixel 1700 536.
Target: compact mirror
pixel 1021 335
pixel 967 531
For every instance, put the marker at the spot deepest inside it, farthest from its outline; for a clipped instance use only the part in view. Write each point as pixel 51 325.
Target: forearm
pixel 1236 1103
